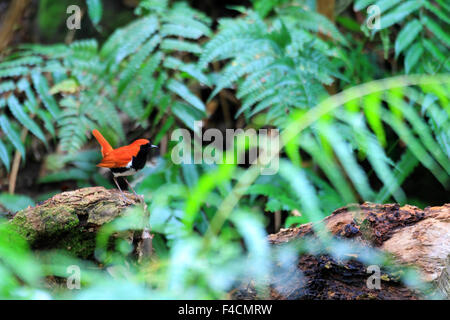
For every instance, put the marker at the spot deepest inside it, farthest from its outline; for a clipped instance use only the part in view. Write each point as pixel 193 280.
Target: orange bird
pixel 123 161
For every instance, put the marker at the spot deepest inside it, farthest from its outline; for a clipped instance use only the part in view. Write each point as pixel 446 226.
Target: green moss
pixel 45 222
pixel 67 225
pixel 80 243
pixel 60 219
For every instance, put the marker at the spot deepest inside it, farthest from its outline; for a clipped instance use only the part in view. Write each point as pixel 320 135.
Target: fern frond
pixel 12 135
pixel 136 61
pixel 18 111
pixel 41 86
pixel 180 45
pixel 422 35
pixel 270 68
pixel 4 155
pixel 181 90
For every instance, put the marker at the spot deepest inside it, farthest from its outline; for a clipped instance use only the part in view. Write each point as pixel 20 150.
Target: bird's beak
pixel 153 146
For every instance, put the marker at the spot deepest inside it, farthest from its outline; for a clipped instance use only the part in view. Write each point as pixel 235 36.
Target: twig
pixel 71 34
pixel 277 221
pixel 145 246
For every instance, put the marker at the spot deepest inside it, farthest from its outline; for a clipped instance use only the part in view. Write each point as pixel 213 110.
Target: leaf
pixel 440 34
pixel 179 45
pixel 346 157
pixel 304 190
pixel 438 11
pixel 7 86
pixel 407 36
pixel 385 5
pixel 95 10
pixel 116 49
pixel 415 146
pixel 399 13
pixel 403 169
pixel 4 155
pixel 65 86
pixel 191 69
pixel 24 119
pixel 423 131
pixel 12 135
pixel 372 107
pixel 361 4
pixel 181 90
pixel 45 116
pixel 15 202
pixel 434 50
pixel 41 86
pixel 187 114
pixel 13 72
pixel 135 63
pixel 412 56
pixel 180 31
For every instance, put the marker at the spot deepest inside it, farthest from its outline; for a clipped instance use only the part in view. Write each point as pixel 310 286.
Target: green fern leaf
pixel 4 156
pixel 13 72
pixel 186 113
pixel 22 61
pixel 7 86
pixel 41 86
pixel 436 30
pixel 136 62
pixel 95 10
pixel 12 135
pixel 407 36
pixel 412 56
pixel 400 12
pixel 177 30
pixel 181 90
pixel 179 45
pixel 24 119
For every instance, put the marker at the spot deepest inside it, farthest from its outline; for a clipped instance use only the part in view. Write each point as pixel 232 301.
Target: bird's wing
pixel 120 157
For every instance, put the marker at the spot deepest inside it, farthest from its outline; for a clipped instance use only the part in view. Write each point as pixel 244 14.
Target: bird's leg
pixel 130 187
pixel 121 192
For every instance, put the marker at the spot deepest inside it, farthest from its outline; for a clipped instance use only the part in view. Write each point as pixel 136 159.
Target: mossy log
pixel 70 220
pixel 414 237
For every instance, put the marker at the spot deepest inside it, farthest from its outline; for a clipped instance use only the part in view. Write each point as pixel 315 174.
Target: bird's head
pixel 144 143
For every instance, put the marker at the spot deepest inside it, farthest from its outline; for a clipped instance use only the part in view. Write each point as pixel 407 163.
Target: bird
pixel 123 161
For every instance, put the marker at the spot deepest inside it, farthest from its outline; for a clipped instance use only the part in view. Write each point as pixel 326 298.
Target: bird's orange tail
pixel 106 147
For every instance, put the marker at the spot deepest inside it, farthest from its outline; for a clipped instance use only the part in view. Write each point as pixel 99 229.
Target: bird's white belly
pixel 129 172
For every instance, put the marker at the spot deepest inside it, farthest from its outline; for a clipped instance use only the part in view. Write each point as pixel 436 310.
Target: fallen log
pixel 70 220
pixel 414 237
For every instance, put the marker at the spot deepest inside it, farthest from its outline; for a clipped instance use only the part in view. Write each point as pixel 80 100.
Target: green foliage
pixel 95 10
pixel 278 66
pixel 422 35
pixel 14 202
pixel 344 136
pixel 82 86
pixel 276 76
